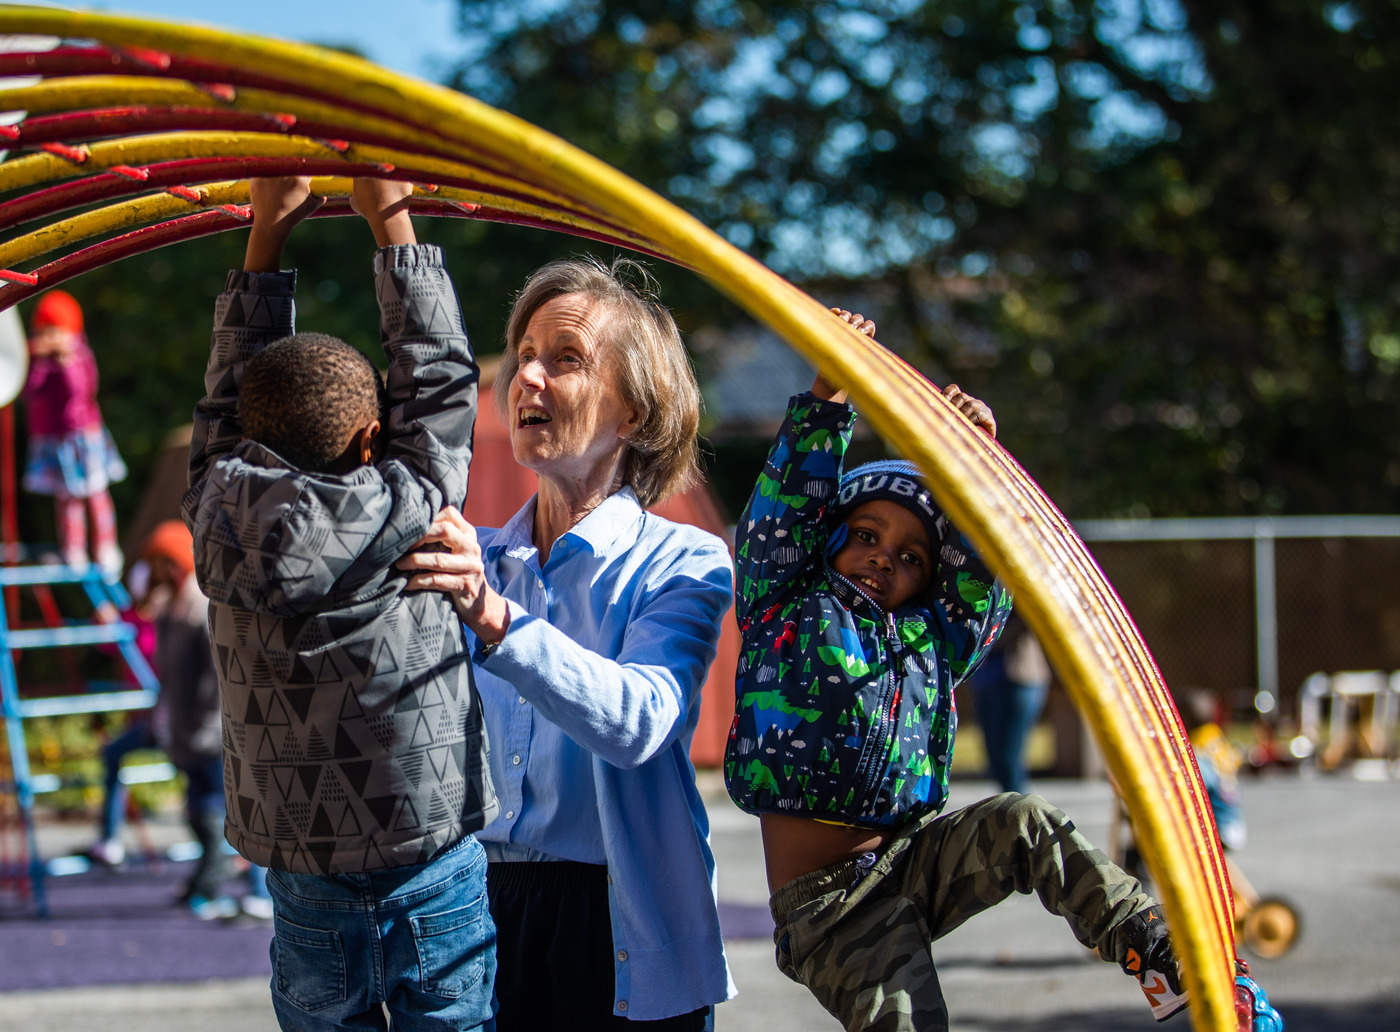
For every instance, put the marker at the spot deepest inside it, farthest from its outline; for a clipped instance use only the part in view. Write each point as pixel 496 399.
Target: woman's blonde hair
pixel 654 371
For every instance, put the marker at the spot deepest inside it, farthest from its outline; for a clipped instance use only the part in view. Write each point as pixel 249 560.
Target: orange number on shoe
pixel 1156 989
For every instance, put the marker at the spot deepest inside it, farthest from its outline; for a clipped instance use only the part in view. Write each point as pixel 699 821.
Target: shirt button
pixel 522 700
pixel 621 1006
pixel 515 759
pixel 510 814
pixel 621 954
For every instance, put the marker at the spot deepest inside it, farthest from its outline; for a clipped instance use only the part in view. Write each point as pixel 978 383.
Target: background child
pixel 1219 763
pixel 861 609
pixel 186 719
pixel 71 454
pixel 355 764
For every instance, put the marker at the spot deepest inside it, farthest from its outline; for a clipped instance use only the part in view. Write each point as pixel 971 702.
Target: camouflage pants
pixel 861 940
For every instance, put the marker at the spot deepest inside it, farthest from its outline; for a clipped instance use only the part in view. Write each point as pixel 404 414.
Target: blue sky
pixel 416 37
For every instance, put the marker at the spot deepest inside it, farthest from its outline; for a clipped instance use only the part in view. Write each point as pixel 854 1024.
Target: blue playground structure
pixel 106 596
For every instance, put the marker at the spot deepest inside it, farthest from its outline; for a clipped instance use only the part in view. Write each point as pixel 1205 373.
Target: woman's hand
pixel 978 411
pixel 448 559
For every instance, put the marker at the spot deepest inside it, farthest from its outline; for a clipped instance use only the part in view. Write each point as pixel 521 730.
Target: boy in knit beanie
pixel 861 609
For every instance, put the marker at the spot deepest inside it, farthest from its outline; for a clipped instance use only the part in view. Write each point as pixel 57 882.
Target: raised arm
pixel 971 604
pixel 255 309
pixel 432 382
pixel 782 530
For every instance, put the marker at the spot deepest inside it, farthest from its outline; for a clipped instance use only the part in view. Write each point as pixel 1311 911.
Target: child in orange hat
pixel 71 454
pixel 187 718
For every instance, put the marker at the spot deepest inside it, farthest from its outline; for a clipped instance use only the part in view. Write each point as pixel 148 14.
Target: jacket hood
pixel 285 542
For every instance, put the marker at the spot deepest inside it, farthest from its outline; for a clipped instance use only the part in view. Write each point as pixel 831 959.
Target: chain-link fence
pixel 1247 606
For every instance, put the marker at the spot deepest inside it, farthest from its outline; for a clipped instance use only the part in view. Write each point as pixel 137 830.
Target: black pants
pixel 554 952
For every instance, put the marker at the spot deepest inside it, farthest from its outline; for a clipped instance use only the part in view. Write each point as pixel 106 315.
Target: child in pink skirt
pixel 71 454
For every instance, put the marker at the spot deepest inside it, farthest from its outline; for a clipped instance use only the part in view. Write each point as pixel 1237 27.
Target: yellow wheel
pixel 1270 928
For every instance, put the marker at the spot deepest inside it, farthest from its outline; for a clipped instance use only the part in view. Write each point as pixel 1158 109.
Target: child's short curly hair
pixel 305 395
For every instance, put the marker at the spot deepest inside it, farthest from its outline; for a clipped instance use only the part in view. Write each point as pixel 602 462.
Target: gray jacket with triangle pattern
pixel 353 738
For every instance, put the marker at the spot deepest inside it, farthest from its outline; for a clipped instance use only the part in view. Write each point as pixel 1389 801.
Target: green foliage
pixel 70 748
pixel 1157 236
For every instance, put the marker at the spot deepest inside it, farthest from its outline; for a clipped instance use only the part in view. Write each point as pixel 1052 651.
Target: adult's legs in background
pixel 1007 711
pixel 1022 705
pixel 109 848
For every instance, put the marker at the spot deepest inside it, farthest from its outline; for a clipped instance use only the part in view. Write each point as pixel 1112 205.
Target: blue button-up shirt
pixel 590 702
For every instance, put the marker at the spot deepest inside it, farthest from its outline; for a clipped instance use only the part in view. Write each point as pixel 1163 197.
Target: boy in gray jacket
pixel 355 760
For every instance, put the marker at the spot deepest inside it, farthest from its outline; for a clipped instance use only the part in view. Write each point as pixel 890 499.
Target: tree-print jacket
pixel 843 712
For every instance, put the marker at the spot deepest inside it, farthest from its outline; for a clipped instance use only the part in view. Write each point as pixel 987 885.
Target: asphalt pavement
pixel 1329 845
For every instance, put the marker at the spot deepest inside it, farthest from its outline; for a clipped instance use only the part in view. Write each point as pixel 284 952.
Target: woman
pixel 595 623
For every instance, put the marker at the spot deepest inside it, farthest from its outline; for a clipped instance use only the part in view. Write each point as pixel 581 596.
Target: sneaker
pixel 259 907
pixel 110 852
pixel 1253 1012
pixel 217 909
pixel 1148 957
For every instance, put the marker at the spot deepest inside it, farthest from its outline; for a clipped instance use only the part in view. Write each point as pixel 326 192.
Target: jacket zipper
pixel 879 726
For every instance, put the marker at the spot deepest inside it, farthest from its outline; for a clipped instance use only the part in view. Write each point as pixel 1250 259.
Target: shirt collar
pixel 516 537
pixel 598 530
pixel 605 524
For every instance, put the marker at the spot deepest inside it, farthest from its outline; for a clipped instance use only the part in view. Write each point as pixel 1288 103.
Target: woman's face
pixel 568 419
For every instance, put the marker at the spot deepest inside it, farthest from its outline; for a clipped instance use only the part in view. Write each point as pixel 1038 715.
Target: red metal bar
pixel 206 223
pixel 486 213
pixel 73 193
pixel 9 508
pixel 106 123
pixel 65 62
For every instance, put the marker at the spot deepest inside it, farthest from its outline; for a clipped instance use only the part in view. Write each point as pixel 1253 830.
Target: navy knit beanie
pixel 893 480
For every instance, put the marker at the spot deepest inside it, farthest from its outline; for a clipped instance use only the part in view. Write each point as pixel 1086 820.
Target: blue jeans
pixel 417 939
pixel 204 809
pixel 140 735
pixel 1007 711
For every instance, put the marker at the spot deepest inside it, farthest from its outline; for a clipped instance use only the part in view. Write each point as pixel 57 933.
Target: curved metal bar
pixel 1086 631
pixel 221 79
pixel 125 180
pixel 220 218
pixel 174 201
pixel 288 111
pixel 144 151
pixel 70 62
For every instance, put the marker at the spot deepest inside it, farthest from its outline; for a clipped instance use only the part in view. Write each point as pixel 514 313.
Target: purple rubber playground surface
pixel 106 927
pixel 122 926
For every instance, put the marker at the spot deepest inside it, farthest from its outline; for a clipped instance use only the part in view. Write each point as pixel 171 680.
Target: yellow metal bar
pixel 498 191
pixel 79 93
pixel 129 214
pixel 1088 635
pixel 33 169
pixel 159 207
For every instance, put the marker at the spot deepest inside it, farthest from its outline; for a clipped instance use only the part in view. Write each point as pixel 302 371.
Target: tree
pixel 1157 235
